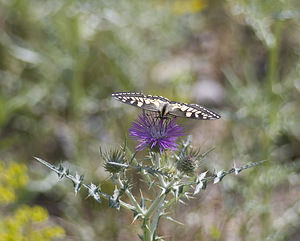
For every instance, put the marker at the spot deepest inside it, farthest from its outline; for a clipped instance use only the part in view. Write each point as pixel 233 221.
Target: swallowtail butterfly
pixel 165 107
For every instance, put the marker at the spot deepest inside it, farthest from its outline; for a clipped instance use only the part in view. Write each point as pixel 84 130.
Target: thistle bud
pixel 114 161
pixel 186 165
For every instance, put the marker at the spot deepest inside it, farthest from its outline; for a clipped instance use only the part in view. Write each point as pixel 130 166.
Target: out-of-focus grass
pixel 59 62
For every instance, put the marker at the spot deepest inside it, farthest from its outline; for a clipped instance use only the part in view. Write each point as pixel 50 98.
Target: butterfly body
pixel 165 107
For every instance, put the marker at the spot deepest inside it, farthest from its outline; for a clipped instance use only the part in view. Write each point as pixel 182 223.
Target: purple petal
pixel 150 130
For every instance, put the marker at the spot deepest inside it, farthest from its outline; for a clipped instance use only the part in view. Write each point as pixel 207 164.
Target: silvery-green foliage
pixel 169 182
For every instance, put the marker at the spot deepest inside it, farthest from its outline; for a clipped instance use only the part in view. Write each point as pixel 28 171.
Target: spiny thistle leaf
pixel 201 182
pixel 136 215
pixel 206 153
pixel 62 172
pixel 237 170
pixel 200 185
pixel 173 220
pixel 94 192
pixel 77 182
pixel 114 200
pixel 219 176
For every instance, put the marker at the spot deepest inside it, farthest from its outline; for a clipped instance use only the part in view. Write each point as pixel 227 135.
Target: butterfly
pixel 165 107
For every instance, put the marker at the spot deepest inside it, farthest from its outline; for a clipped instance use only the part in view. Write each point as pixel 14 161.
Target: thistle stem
pixel 155 204
pixel 155 220
pixel 146 230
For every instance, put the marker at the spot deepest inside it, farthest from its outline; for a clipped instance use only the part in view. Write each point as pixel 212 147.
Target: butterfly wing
pixel 164 106
pixel 146 102
pixel 193 111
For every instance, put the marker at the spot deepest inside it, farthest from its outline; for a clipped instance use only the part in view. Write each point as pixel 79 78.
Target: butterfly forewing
pixel 164 106
pixel 146 102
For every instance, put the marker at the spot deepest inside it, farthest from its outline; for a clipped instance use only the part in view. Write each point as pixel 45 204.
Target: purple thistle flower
pixel 158 133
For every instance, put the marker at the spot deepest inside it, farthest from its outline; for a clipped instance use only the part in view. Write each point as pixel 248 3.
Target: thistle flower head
pixel 187 161
pixel 186 165
pixel 111 160
pixel 157 133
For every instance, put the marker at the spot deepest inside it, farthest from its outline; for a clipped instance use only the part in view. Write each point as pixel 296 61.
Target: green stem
pixel 159 200
pixel 155 204
pixel 155 220
pixel 146 230
pixel 273 56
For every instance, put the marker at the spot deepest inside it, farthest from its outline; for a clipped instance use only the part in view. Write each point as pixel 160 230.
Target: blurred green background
pixel 61 60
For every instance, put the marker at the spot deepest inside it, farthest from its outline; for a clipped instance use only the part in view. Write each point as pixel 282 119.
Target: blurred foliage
pixel 24 223
pixel 189 6
pixel 28 224
pixel 12 177
pixel 60 60
pixel 262 15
